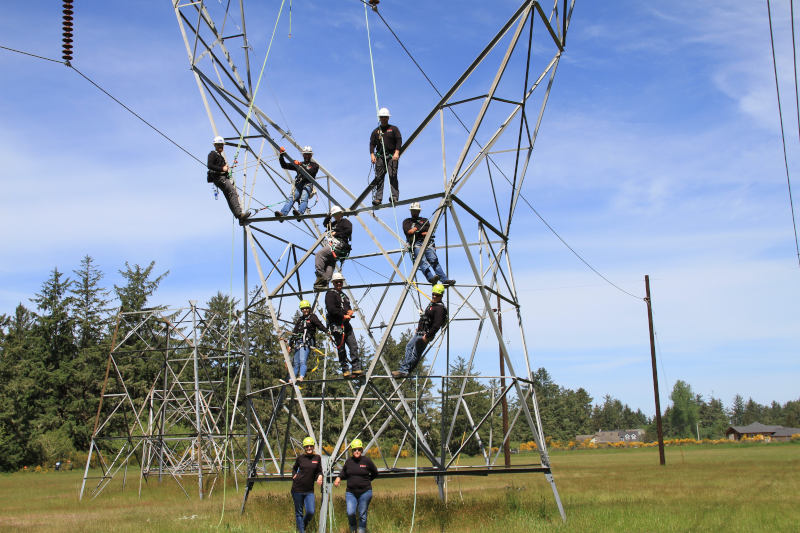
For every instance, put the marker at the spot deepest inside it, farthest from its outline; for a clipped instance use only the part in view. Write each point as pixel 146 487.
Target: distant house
pixel 617 435
pixel 778 433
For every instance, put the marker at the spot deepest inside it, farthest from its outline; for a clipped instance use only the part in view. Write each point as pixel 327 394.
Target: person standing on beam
pixel 384 151
pixel 302 185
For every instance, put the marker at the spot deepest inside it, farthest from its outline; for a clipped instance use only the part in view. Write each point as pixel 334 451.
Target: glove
pixel 282 149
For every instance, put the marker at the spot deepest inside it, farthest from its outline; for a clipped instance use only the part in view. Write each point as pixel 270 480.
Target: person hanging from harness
pixel 303 187
pixel 219 174
pixel 416 228
pixel 307 470
pixel 384 151
pixel 434 317
pixel 338 315
pixel 304 338
pixel 336 246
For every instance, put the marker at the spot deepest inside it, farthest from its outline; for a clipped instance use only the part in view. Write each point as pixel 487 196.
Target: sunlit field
pixel 745 487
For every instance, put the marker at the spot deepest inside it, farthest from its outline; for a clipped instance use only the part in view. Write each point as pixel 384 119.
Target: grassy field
pixel 702 488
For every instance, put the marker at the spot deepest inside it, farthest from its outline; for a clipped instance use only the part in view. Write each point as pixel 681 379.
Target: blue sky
pixel 659 154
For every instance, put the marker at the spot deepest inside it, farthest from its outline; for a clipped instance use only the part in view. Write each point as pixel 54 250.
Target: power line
pixel 131 111
pixel 549 227
pixel 780 117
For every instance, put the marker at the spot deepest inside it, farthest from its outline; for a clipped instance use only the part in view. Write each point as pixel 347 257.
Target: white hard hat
pixel 414 206
pixel 384 112
pixel 336 209
pixel 219 140
pixel 307 150
pixel 337 276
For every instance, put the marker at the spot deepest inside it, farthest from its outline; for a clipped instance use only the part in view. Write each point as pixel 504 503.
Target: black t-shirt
pixel 359 474
pixel 343 228
pixel 422 226
pixel 305 329
pixel 392 140
pixel 336 304
pixel 300 181
pixel 306 470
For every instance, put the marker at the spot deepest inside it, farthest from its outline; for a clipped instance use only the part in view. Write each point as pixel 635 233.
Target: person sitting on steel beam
pixel 340 230
pixel 303 187
pixel 416 228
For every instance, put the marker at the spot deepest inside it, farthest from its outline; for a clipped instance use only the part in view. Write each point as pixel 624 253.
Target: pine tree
pixel 737 411
pixel 90 304
pixel 138 288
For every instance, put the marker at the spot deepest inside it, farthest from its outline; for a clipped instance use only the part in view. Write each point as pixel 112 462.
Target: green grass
pixel 702 488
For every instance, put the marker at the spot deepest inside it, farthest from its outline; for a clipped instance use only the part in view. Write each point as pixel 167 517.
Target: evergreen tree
pixel 17 391
pixel 753 412
pixel 138 287
pixel 90 304
pixel 713 419
pixel 737 411
pixel 90 312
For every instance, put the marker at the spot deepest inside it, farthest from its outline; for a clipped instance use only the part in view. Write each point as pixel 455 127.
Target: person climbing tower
pixel 219 174
pixel 338 315
pixel 304 338
pixel 340 230
pixel 384 151
pixel 434 317
pixel 416 228
pixel 302 185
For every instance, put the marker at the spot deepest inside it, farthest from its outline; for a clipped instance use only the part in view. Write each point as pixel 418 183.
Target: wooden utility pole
pixel 655 372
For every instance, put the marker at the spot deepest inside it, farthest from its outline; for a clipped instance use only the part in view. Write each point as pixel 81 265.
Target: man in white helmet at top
pixel 219 175
pixel 335 246
pixel 302 185
pixel 384 151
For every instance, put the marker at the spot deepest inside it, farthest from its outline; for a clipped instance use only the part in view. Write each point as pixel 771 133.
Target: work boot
pixel 346 374
pixel 435 279
pixel 449 282
pixel 357 372
pixel 296 214
pixel 399 374
pixel 279 216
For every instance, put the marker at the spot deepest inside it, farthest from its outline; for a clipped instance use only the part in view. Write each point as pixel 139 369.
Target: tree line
pixel 53 353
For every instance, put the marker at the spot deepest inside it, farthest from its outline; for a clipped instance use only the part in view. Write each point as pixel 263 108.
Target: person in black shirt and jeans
pixel 359 471
pixel 306 470
pixel 302 185
pixel 435 317
pixel 384 151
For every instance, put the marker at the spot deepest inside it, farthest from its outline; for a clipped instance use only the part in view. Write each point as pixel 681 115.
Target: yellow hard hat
pixel 308 441
pixel 438 289
pixel 304 304
pixel 356 444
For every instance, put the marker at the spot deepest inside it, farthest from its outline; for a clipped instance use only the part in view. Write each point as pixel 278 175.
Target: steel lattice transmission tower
pixel 488 120
pixel 166 398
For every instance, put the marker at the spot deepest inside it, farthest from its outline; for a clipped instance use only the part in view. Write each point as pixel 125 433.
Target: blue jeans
pixel 429 264
pixel 360 504
pixel 303 499
pixel 414 350
pixel 301 195
pixel 300 360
